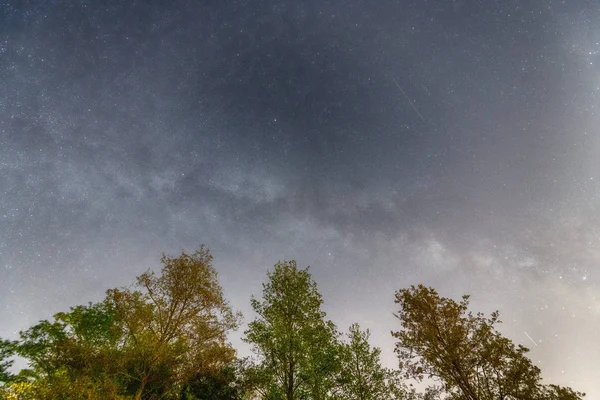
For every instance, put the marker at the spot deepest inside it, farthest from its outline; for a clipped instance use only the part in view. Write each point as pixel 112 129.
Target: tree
pixel 296 345
pixel 174 324
pixel 144 341
pixel 362 375
pixel 555 392
pixel 441 339
pixel 75 351
pixel 322 365
pixel 71 357
pixel 6 352
pixel 213 385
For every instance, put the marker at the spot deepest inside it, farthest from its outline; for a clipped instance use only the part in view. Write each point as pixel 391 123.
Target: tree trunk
pixel 140 391
pixel 290 388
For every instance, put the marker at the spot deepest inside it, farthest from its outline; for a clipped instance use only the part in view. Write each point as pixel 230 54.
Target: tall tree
pixel 296 344
pixel 175 323
pixel 362 375
pixel 74 356
pixel 441 339
pixel 144 341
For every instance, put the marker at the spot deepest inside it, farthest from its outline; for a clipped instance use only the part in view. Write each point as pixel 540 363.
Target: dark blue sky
pixel 388 143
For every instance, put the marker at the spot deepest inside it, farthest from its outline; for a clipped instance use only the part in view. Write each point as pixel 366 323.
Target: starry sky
pixel 388 143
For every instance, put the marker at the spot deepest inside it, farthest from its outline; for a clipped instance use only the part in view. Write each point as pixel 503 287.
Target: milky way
pixel 383 143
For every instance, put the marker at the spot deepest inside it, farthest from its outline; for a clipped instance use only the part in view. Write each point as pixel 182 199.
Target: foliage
pixel 297 346
pixel 221 384
pixel 362 376
pixel 176 325
pixel 144 342
pixel 441 339
pixel 74 353
pixel 166 338
pixel 63 386
pixel 7 350
pixel 555 392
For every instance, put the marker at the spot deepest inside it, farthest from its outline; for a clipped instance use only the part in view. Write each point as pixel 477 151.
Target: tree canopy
pixel 6 352
pixel 166 337
pixel 144 341
pixel 295 343
pixel 463 351
pixel 362 375
pixel 175 322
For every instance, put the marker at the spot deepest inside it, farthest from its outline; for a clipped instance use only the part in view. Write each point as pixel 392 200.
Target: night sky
pixel 383 143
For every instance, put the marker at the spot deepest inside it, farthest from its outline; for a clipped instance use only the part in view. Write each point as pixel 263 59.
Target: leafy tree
pixel 255 379
pixel 60 386
pixel 555 392
pixel 322 365
pixel 362 376
pixel 174 324
pixel 297 346
pixel 145 341
pixel 441 339
pixel 76 353
pixel 223 384
pixel 7 350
